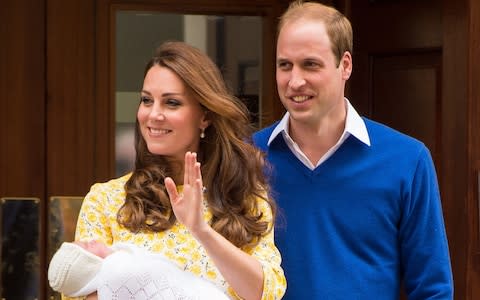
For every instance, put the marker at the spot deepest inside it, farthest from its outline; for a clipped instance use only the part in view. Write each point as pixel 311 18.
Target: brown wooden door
pixel 22 145
pixel 397 71
pixel 410 72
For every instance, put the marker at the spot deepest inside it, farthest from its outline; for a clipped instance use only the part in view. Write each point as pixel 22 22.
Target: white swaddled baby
pixel 124 271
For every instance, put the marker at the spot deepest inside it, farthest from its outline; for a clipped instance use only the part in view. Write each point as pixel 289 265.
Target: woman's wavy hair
pixel 233 170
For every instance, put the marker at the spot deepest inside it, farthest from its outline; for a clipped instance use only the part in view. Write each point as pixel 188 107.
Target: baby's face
pixel 95 247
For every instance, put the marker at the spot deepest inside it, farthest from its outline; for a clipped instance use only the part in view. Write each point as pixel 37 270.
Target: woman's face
pixel 170 118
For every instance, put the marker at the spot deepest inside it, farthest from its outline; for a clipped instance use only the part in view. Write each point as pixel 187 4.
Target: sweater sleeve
pixel 423 241
pixel 274 284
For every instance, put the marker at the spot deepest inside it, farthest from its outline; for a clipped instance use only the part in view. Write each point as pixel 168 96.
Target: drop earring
pixel 202 134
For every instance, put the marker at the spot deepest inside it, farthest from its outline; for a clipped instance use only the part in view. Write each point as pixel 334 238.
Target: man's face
pixel 310 82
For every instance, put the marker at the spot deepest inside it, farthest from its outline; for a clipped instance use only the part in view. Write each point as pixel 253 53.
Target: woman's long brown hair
pixel 232 169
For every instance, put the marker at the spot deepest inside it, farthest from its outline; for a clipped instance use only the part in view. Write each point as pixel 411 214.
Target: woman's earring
pixel 202 134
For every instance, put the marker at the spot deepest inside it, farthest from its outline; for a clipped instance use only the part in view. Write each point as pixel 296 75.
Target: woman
pixel 197 194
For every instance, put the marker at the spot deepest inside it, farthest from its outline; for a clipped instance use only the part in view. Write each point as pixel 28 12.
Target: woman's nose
pixel 157 113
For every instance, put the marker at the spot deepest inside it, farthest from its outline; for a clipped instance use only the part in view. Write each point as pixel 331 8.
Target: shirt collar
pixel 354 125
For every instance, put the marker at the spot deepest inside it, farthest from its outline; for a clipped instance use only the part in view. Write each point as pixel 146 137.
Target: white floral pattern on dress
pixel 98 221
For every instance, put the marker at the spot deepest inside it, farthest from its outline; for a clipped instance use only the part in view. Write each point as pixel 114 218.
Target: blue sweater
pixel 361 222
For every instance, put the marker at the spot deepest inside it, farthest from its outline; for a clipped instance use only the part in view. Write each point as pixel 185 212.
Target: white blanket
pixel 135 274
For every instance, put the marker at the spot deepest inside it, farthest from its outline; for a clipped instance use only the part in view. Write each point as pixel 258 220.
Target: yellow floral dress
pixel 97 221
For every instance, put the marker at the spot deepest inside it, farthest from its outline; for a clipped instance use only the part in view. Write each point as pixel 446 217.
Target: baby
pixel 123 271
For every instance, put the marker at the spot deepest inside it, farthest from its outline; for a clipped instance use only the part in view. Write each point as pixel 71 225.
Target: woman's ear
pixel 205 122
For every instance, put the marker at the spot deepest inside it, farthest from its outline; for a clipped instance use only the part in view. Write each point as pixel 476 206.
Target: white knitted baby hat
pixel 71 268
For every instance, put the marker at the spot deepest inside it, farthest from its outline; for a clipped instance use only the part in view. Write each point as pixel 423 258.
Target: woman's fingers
pixel 171 189
pixel 198 178
pixel 186 171
pixel 187 205
pixel 195 174
pixel 192 169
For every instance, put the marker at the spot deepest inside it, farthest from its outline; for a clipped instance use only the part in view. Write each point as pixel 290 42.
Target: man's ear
pixel 347 65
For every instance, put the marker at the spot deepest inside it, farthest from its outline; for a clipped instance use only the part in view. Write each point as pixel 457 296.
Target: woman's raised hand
pixel 188 205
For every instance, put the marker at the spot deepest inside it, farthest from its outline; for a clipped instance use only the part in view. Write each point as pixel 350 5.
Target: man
pixel 359 201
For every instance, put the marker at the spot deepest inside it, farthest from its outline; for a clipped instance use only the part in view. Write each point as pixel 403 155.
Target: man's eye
pixel 310 64
pixel 283 65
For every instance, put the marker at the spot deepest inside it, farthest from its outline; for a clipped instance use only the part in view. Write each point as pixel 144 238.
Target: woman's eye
pixel 173 102
pixel 145 100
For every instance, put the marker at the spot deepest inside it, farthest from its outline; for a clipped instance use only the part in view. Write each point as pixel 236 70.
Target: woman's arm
pixel 274 283
pixel 242 271
pixel 91 223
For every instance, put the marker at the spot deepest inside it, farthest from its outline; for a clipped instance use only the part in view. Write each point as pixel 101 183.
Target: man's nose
pixel 296 80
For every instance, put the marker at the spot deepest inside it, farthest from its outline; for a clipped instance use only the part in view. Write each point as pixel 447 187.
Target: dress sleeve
pixel 77 298
pixel 274 284
pixel 92 222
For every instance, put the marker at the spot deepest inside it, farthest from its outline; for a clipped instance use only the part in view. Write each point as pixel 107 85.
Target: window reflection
pixel 20 228
pixel 233 43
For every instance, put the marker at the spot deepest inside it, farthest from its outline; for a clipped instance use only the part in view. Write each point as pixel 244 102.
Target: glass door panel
pixel 233 43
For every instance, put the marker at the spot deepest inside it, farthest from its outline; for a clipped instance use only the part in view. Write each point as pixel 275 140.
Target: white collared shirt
pixel 354 125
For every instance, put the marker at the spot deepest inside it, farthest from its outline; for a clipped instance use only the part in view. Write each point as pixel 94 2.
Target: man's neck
pixel 316 139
